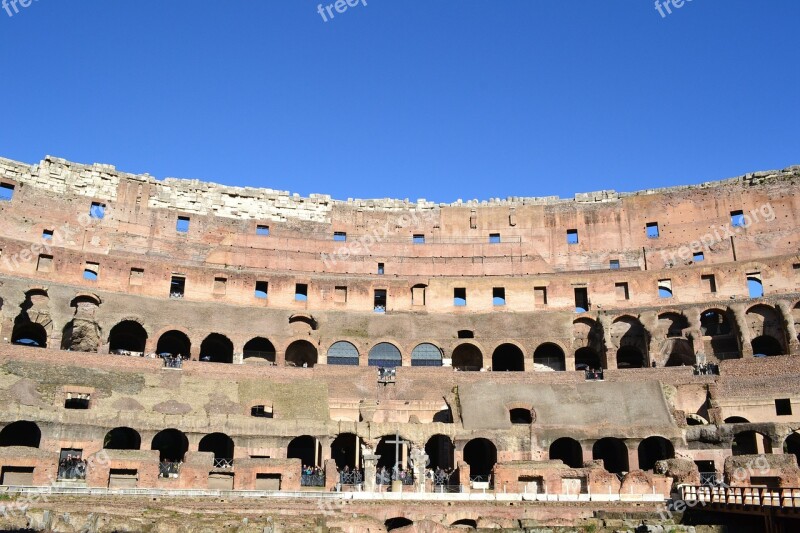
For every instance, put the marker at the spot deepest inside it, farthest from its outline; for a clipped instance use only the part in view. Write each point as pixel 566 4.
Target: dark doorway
pixel 219 444
pixel 508 358
pixel 481 456
pixel 171 444
pixel 653 449
pixel 216 348
pixel 22 433
pixel 307 449
pixel 467 357
pixel 346 451
pixel 440 451
pixel 175 343
pixel 568 451
pixel 122 439
pixel 259 348
pixel 301 354
pixel 127 336
pixel 613 453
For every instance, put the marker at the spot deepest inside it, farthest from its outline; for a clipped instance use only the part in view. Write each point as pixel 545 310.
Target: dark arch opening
pixel 219 444
pixel 29 334
pixel 792 446
pixel 440 450
pixel 714 323
pixel 391 454
pixel 613 453
pixel 508 358
pixel 216 348
pixel 568 451
pixel 521 416
pixel 345 448
pixel 259 348
pixel 127 336
pixel 736 420
pixel 122 438
pixel 750 443
pixel 587 358
pixel 307 449
pixel 766 346
pixel 681 354
pixel 397 523
pixel 481 456
pixel 301 354
pixel 175 343
pixel 630 357
pixel 654 449
pixel 171 444
pixel 465 522
pixel 550 355
pixel 467 357
pixel 21 433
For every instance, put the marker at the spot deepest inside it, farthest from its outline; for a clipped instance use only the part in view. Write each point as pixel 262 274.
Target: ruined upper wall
pixel 102 182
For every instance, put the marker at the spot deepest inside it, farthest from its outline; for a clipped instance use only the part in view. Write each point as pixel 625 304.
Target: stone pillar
pixel 609 358
pixel 331 475
pixel 695 333
pixel 649 322
pixel 420 459
pixel 280 358
pixel 463 476
pixel 238 358
pixel 632 446
pixel 785 309
pixel 743 330
pixel 370 470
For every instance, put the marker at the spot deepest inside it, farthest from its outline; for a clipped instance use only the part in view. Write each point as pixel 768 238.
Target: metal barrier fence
pixel 167 469
pixel 223 463
pixel 386 477
pixel 351 477
pixel 72 470
pixel 312 480
pixel 753 496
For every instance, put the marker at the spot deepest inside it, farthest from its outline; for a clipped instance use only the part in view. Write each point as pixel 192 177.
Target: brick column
pixel 785 308
pixel 742 329
pixel 633 453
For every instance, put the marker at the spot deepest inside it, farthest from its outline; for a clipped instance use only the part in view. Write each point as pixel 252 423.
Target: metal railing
pixel 711 479
pixel 223 463
pixel 72 470
pixel 173 362
pixel 351 477
pixel 312 480
pixel 748 496
pixel 406 477
pixel 169 469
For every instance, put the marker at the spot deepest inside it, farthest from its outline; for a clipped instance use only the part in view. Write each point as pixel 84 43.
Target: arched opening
pixel 29 334
pixel 654 449
pixel 122 438
pixel 220 445
pixel 346 451
pixel 216 348
pixel 301 354
pixel 343 353
pixel 396 523
pixel 385 355
pixel 521 416
pixel 465 523
pixel 171 444
pixel 766 346
pixel 792 446
pixel 259 349
pixel 695 420
pixel 551 356
pixel 568 451
pixel 22 433
pixel 174 343
pixel 307 449
pixel 508 358
pixel 391 453
pixel 468 358
pixel 481 456
pixel 586 359
pixel 426 355
pixel 681 353
pixel 630 357
pixel 714 323
pixel 672 324
pixel 736 420
pixel 127 336
pixel 613 453
pixel 751 443
pixel 440 450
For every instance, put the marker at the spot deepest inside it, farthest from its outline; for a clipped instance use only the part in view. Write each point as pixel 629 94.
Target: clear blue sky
pixel 436 99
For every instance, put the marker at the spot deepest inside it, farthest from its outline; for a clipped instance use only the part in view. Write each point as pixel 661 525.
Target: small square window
pixel 783 407
pixel 261 291
pixel 498 296
pixel 6 192
pixel 220 285
pixel 494 238
pixel 419 239
pixel 339 236
pixel 652 230
pixel 47 235
pixel 45 263
pixel 581 299
pixel 182 225
pixel 97 210
pixel 737 219
pixel 665 288
pixel 709 283
pixel 77 401
pixel 698 256
pixel 621 290
pixel 136 277
pixel 379 302
pixel 460 297
pixel 340 295
pixel 91 271
pixel 572 236
pixel 614 264
pixel 301 292
pixel 177 286
pixel 540 295
pixel 380 269
pixel 262 230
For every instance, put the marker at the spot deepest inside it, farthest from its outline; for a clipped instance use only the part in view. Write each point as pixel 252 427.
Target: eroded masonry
pixel 181 334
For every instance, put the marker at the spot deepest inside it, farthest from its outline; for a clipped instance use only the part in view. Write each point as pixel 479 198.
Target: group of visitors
pixel 72 467
pixel 385 476
pixel 594 374
pixel 441 476
pixel 706 369
pixel 168 469
pixel 312 476
pixel 350 476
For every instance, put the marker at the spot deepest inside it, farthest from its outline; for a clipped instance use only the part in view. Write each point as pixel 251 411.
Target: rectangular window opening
pixel 261 290
pixel 45 263
pixel 665 288
pixel 572 236
pixel 380 301
pixel 380 269
pixel 737 219
pixel 47 235
pixel 709 283
pixel 494 238
pixel 614 264
pixel 182 225
pixel 755 287
pixel 783 407
pixel 97 210
pixel 498 296
pixel 419 238
pixel 652 230
pixel 6 192
pixel 418 295
pixel 262 230
pixel 540 295
pixel 177 286
pixel 91 271
pixel 621 290
pixel 340 236
pixel 77 401
pixel 340 295
pixel 581 299
pixel 301 292
pixel 136 277
pixel 460 297
pixel 220 285
pixel 698 256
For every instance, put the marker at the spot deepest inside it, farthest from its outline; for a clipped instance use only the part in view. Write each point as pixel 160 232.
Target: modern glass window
pixel 343 353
